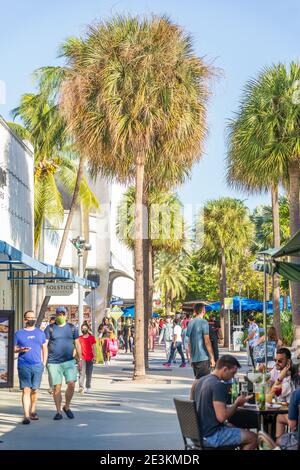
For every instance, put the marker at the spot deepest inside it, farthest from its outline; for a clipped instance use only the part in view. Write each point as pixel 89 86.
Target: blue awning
pixel 19 261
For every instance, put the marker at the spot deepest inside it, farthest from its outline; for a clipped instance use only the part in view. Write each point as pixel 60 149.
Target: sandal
pixel 34 416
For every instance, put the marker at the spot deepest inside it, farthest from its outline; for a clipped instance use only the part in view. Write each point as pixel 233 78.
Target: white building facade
pixel 108 259
pixel 16 216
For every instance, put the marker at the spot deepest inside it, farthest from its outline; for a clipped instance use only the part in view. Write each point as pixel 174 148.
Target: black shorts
pixel 201 369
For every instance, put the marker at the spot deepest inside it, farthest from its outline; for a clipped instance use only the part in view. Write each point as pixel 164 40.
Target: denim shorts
pixel 30 376
pixel 67 369
pixel 225 436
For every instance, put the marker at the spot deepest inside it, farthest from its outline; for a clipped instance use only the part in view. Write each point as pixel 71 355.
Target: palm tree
pixel 264 148
pixel 171 277
pixel 262 217
pixel 165 231
pixel 134 99
pixel 56 161
pixel 228 233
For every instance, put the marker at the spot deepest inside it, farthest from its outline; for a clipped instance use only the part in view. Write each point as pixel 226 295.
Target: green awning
pixel 290 271
pixel 291 248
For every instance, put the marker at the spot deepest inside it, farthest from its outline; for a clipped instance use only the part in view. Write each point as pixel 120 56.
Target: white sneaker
pixel 88 390
pixel 81 390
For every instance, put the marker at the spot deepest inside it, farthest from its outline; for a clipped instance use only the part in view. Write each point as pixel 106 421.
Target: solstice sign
pixel 59 288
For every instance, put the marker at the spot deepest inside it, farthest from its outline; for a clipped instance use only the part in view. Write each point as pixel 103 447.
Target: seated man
pixel 281 381
pixel 210 394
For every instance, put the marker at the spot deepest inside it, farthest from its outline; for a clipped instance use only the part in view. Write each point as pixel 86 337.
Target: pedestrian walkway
pixel 118 414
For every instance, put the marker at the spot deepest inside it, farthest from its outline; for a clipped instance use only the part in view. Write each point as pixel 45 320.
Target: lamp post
pixel 240 303
pixel 81 246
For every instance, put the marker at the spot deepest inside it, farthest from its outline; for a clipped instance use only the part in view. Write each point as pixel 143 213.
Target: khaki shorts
pixel 68 370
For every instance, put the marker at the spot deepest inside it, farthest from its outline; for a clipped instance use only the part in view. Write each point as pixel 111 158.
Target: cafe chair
pixel 265 442
pixel 298 429
pixel 189 425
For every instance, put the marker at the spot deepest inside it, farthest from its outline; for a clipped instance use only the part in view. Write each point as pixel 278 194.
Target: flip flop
pixel 34 416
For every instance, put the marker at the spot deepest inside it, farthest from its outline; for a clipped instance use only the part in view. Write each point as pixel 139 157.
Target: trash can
pixel 237 338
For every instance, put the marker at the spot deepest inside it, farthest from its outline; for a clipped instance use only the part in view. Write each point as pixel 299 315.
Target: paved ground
pixel 118 414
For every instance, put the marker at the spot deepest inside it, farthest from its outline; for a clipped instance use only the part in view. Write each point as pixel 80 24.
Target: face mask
pixel 30 322
pixel 84 331
pixel 60 320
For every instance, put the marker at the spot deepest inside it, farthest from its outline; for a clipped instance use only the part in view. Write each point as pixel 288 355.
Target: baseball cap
pixel 61 310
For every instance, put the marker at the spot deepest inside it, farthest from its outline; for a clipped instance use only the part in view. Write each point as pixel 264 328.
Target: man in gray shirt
pixel 199 345
pixel 210 395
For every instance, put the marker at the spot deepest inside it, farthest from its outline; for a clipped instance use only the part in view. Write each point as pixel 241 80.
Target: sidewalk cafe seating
pixel 189 425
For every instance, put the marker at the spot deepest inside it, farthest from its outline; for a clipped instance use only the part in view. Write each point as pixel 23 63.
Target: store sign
pixel 6 348
pixel 228 303
pixel 59 288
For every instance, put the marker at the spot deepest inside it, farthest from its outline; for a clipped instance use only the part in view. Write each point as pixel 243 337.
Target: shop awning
pixel 19 261
pixel 291 248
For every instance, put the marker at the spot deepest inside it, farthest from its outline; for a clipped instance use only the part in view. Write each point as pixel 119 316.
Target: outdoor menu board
pixel 6 348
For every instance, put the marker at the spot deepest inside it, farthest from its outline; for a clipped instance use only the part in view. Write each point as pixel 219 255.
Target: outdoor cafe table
pixel 250 417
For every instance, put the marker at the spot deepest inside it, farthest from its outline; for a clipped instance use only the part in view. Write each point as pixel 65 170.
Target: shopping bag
pixel 113 346
pixel 99 353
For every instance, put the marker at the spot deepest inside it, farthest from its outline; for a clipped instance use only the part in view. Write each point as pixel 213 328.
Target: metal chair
pixel 189 425
pixel 299 427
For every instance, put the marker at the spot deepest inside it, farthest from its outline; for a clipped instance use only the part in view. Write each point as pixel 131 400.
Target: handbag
pixel 289 441
pixel 113 346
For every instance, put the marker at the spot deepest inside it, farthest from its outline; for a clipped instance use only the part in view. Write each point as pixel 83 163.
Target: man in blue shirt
pixel 62 337
pixel 30 343
pixel 199 345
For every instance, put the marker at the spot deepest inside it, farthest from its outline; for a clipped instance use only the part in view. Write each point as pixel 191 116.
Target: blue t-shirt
pixel 61 342
pixel 293 405
pixel 196 330
pixel 33 339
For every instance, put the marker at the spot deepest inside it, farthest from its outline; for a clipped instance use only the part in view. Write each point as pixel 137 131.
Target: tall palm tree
pixel 56 160
pixel 165 231
pixel 136 97
pixel 228 233
pixel 264 146
pixel 171 277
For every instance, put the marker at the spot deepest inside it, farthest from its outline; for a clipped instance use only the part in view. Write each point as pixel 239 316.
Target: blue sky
pixel 238 36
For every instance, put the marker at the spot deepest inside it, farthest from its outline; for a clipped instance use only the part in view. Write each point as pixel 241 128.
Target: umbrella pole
pixel 265 311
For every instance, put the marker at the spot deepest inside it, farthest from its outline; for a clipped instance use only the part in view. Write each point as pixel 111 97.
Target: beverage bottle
pixel 262 398
pixel 234 390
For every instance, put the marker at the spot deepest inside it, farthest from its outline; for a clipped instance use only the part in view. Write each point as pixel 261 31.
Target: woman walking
pixel 152 333
pixel 88 347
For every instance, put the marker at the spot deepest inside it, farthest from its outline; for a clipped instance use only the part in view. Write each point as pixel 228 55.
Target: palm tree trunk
pixel 294 180
pixel 151 277
pixel 168 303
pixel 146 278
pixel 139 364
pixel 276 277
pixel 65 234
pixel 149 289
pixel 223 290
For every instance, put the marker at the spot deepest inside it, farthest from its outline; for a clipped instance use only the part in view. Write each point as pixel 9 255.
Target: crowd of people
pixel 65 352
